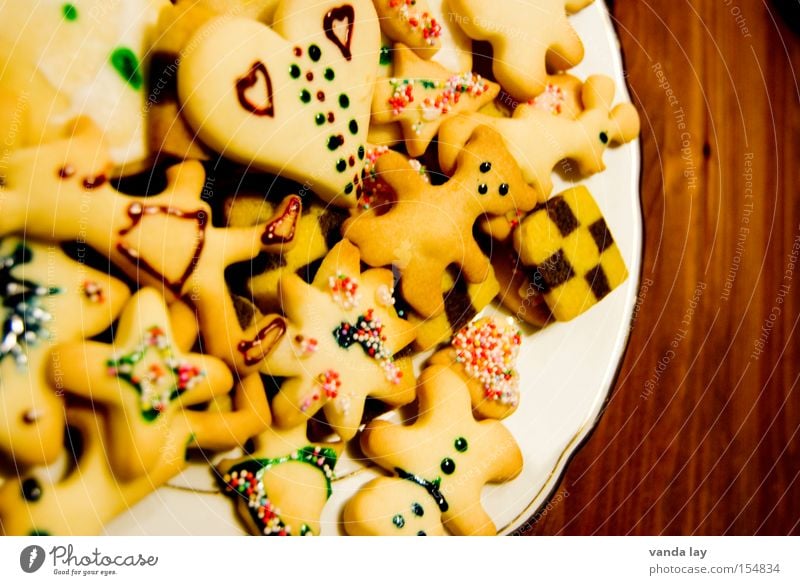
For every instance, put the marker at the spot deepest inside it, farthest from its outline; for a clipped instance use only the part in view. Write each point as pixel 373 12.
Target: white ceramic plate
pixel 567 370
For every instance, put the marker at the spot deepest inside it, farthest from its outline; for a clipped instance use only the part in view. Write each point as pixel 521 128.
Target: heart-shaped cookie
pixel 293 99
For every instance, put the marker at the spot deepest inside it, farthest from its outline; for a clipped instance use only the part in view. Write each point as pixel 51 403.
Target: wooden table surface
pixel 700 435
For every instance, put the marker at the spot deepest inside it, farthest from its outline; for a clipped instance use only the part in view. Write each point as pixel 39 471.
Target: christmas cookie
pixel 94 55
pixel 390 506
pixel 143 380
pixel 89 494
pixel 517 293
pixel 485 354
pixel 526 36
pixel 446 452
pixel 430 227
pixel 538 139
pixel 569 253
pixel 47 298
pixel 293 99
pixel 412 23
pixel 60 191
pixel 421 95
pixel 342 335
pixel 281 488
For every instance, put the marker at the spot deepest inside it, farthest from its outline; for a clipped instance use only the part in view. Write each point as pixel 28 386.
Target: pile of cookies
pixel 232 227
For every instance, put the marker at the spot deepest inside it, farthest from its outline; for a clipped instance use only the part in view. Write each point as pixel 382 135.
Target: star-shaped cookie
pixel 446 451
pixel 421 95
pixel 410 22
pixel 429 227
pixel 342 335
pixel 47 298
pixel 526 35
pixel 143 380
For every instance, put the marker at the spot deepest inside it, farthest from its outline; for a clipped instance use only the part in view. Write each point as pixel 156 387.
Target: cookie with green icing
pixel 293 99
pixel 47 298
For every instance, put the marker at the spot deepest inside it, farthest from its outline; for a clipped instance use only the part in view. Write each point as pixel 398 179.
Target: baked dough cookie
pixel 94 54
pixel 539 140
pixel 430 227
pixel 281 488
pixel 446 451
pixel 293 99
pixel 517 293
pixel 390 506
pixel 47 298
pixel 421 95
pixel 526 35
pixel 89 495
pixel 485 354
pixel 60 192
pixel 569 253
pixel 342 335
pixel 143 380
pixel 410 22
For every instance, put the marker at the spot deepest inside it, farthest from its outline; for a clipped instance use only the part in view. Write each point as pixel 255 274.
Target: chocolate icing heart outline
pixel 348 14
pixel 136 213
pixel 249 80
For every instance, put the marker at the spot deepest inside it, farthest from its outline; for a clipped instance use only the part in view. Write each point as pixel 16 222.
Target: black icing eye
pixel 37 532
pixel 483 188
pixel 604 138
pixel 399 521
pixel 448 466
pixel 486 167
pixel 314 52
pixel 31 490
pixel 503 189
pixel 461 444
pixel 421 533
pixel 417 510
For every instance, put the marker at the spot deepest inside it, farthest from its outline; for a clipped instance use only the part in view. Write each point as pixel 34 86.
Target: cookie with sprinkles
pixel 342 335
pixel 282 486
pixel 89 493
pixel 446 451
pixel 293 99
pixel 485 353
pixel 412 23
pixel 421 95
pixel 47 298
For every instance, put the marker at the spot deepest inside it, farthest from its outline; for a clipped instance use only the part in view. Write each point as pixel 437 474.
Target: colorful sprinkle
pixel 344 291
pixel 551 100
pixel 431 29
pixel 488 351
pixel 367 332
pixel 93 292
pixel 330 382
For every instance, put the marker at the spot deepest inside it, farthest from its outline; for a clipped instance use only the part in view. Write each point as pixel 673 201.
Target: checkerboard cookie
pixel 569 253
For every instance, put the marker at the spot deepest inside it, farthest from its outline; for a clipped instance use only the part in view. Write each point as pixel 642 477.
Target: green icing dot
pixel 70 11
pixel 294 71
pixel 127 65
pixel 461 444
pixel 344 101
pixel 341 166
pixel 353 127
pixel 348 188
pixel 399 521
pixel 329 74
pixel 386 55
pixel 604 138
pixel 319 119
pixel 361 152
pixel 305 97
pixel 37 532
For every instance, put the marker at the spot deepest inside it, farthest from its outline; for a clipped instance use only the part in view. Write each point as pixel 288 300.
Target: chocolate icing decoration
pixel 432 487
pixel 137 212
pixel 271 233
pixel 276 326
pixel 248 80
pixel 344 12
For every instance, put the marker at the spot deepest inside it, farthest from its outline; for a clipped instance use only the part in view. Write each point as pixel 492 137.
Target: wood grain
pixel 702 432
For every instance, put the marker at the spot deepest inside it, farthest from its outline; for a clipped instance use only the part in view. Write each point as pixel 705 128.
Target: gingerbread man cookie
pixel 90 494
pixel 281 488
pixel 143 380
pixel 390 506
pixel 421 95
pixel 410 22
pixel 277 98
pixel 538 139
pixel 60 192
pixel 569 254
pixel 342 335
pixel 526 35
pixel 430 227
pixel 47 298
pixel 485 354
pixel 446 451
pixel 95 56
